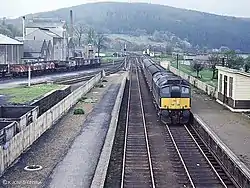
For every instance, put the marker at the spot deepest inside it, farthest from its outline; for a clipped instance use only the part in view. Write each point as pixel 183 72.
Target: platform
pixel 75 143
pixel 232 128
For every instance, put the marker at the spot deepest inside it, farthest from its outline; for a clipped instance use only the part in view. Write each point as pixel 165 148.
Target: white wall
pixel 209 90
pixel 242 86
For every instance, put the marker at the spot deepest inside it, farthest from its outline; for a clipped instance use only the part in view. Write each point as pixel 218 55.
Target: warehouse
pixel 11 50
pixel 233 89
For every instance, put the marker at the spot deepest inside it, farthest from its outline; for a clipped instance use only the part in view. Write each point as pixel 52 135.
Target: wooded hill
pixel 198 28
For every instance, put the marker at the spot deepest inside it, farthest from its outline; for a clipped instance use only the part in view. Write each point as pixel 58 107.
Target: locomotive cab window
pixel 165 92
pixel 184 90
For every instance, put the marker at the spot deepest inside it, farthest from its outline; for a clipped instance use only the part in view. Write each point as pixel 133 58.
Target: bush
pixel 82 99
pixel 99 85
pixel 79 111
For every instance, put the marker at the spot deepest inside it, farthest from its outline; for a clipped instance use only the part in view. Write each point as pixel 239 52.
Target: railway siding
pixel 237 169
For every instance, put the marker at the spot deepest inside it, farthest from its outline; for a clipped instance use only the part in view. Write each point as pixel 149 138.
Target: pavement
pixel 232 128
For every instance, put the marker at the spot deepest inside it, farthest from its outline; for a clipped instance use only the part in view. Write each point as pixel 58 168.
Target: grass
pixel 206 74
pixel 24 94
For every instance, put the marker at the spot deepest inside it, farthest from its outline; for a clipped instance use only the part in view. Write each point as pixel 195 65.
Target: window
pixel 220 83
pixel 230 86
pixel 184 90
pixel 165 90
pixel 175 88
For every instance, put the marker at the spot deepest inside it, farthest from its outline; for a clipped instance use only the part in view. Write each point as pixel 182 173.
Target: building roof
pixel 20 39
pixel 5 40
pixel 58 31
pixel 232 71
pixel 50 33
pixel 46 31
pixel 33 46
pixel 44 23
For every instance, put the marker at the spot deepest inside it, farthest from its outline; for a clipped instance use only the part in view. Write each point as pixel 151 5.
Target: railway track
pixel 137 170
pixel 88 76
pixel 201 168
pixel 80 77
pixel 159 155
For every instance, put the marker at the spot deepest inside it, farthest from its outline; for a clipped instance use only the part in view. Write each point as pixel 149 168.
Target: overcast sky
pixel 239 8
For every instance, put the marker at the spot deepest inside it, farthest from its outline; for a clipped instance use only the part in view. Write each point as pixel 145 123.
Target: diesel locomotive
pixel 172 94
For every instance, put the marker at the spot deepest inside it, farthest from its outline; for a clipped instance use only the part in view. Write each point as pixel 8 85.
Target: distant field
pixel 205 73
pixel 26 94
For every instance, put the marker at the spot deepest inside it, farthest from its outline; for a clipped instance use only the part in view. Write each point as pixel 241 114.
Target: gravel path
pixel 53 145
pixel 232 128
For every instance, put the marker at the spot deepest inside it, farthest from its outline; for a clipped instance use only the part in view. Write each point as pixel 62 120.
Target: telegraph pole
pixel 29 75
pixel 177 66
pixel 125 56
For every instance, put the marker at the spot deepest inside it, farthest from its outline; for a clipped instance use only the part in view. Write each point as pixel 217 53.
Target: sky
pixel 16 8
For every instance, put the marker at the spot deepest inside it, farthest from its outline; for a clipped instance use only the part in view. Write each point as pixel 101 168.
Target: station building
pixel 233 89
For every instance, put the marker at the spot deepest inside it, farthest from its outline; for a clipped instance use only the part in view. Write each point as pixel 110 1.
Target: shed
pixel 233 89
pixel 11 50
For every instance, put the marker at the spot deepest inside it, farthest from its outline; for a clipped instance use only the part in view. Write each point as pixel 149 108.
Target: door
pixel 225 98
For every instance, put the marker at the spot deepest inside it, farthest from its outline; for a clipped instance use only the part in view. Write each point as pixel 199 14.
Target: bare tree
pixel 197 66
pixel 91 36
pixel 79 31
pixel 99 42
pixel 214 60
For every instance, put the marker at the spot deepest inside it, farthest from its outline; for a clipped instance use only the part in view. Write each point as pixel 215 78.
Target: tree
pixel 197 66
pixel 99 42
pixel 231 58
pixel 247 64
pixel 214 60
pixel 91 36
pixel 79 30
pixel 239 62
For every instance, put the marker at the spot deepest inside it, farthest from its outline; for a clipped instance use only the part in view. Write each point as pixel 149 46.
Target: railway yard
pixel 119 141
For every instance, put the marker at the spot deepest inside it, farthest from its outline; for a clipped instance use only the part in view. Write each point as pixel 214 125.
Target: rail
pixel 137 165
pixel 200 167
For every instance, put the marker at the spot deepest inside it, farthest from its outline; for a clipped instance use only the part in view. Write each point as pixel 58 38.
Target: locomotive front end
pixel 175 104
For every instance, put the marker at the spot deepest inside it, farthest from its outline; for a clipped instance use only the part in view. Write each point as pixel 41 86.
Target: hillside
pixel 198 28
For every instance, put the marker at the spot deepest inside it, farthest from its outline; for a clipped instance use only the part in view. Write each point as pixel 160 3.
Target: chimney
pixel 23 28
pixel 71 24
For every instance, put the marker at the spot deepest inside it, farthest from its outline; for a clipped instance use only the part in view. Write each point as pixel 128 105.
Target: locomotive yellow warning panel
pixel 175 103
